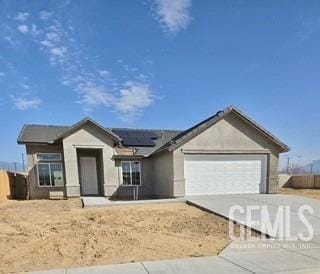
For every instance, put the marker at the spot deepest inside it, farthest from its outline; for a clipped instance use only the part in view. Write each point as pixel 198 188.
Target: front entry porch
pixel 90 168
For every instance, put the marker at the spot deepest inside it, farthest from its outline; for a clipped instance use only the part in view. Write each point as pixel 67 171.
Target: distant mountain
pixel 11 166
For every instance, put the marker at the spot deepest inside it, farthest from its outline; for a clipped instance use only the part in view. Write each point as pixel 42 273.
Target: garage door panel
pixel 215 174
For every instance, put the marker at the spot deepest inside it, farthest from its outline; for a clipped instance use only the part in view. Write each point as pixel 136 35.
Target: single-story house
pixel 227 153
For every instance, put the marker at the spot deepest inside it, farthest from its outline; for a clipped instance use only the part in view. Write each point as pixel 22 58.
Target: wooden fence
pixel 12 186
pixel 305 181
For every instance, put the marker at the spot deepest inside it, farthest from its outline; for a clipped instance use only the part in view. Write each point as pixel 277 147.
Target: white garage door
pixel 225 174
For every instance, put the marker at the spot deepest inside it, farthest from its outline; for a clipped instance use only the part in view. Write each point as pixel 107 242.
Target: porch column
pixel 71 170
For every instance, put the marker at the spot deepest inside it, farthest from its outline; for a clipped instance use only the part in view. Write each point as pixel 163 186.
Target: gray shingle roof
pixel 40 133
pixel 49 134
pixel 146 141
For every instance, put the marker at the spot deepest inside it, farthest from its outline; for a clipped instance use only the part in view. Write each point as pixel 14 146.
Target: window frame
pixel 47 153
pixel 140 173
pixel 49 162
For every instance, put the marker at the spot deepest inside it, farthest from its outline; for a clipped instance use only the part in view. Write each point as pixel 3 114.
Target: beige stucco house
pixel 227 153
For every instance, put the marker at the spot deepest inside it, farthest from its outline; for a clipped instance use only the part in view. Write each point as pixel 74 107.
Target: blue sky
pixel 161 64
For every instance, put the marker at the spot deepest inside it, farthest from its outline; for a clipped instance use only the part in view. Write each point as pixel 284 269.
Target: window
pixel 131 173
pixel 49 157
pixel 50 171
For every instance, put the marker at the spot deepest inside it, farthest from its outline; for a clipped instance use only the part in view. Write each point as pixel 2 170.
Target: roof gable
pixel 51 134
pixel 190 133
pixel 83 122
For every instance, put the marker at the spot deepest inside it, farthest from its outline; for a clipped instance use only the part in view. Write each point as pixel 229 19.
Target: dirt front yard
pixel 310 193
pixel 54 234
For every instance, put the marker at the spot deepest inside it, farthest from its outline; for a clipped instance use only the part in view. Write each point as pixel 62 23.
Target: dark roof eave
pixel 128 156
pixel 34 143
pixel 20 135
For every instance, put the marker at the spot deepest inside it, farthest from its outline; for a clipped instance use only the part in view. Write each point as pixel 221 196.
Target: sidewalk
pixel 263 256
pixel 203 265
pixel 103 201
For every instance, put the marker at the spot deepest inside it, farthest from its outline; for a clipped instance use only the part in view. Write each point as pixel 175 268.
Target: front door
pixel 89 176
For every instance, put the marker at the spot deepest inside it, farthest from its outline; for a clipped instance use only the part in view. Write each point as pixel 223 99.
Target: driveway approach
pixel 272 203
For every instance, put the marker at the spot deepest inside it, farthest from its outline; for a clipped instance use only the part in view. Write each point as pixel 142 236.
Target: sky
pixel 164 64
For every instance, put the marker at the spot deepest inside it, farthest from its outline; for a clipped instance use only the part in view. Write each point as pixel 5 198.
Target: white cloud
pixel 24 86
pixel 93 96
pixel 47 43
pixel 308 28
pixel 9 40
pixel 22 16
pixel 53 36
pixel 45 15
pixel 34 30
pixel 94 88
pixel 173 15
pixel 55 41
pixel 52 39
pixel 134 97
pixel 142 77
pixel 104 73
pixel 23 103
pixel 58 54
pixel 129 69
pixel 23 28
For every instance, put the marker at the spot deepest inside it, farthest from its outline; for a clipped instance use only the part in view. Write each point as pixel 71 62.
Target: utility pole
pixel 288 165
pixel 288 162
pixel 23 167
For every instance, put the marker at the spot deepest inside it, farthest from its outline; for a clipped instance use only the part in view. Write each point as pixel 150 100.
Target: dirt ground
pixel 47 234
pixel 310 193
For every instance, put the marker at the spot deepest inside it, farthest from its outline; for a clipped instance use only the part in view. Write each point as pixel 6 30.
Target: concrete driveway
pixel 221 204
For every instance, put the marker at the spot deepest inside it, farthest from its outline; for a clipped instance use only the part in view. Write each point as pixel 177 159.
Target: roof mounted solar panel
pixel 136 138
pixel 121 133
pixel 132 141
pixel 149 134
pixel 146 142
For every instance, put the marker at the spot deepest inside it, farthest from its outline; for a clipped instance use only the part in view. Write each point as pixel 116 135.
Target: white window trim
pixel 131 185
pixel 54 153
